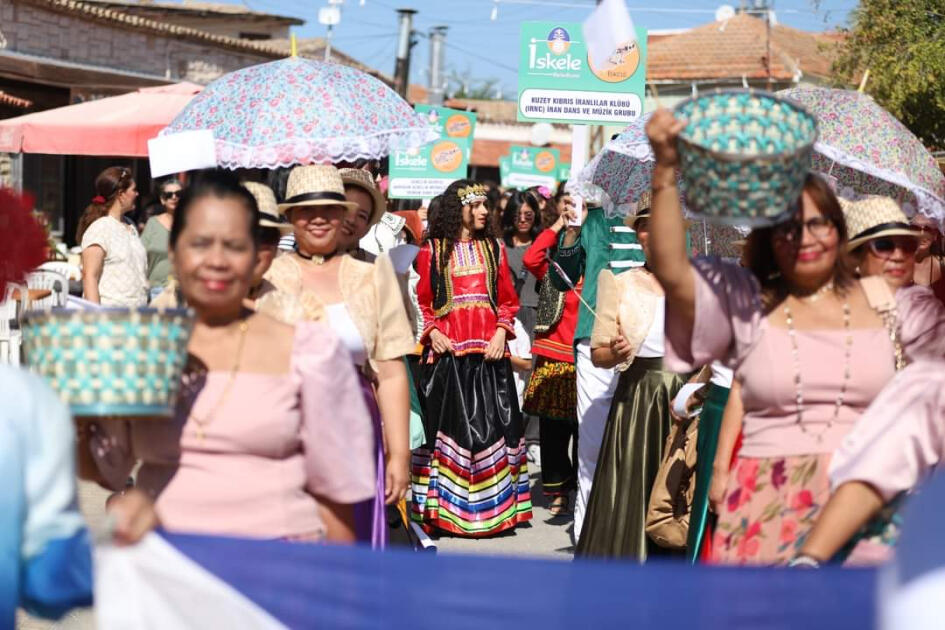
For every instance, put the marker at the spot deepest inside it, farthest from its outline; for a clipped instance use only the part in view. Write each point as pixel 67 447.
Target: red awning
pixel 118 125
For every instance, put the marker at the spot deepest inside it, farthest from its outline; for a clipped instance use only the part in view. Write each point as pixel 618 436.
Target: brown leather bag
pixel 667 515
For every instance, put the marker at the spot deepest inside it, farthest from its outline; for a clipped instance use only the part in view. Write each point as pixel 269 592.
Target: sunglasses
pixel 793 230
pixel 925 229
pixel 884 247
pixel 174 194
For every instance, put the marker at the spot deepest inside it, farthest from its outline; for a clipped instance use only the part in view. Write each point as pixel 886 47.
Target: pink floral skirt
pixel 770 506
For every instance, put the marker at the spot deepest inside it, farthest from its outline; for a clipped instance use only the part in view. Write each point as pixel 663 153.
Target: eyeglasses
pixel 925 229
pixel 173 194
pixel 793 230
pixel 885 246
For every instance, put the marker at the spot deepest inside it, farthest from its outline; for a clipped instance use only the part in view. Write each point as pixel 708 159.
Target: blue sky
pixel 486 48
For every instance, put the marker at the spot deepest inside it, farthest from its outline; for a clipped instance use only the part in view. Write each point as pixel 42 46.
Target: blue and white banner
pixel 201 583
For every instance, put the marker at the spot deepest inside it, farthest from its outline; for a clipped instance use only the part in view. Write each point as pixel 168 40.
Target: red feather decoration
pixel 23 245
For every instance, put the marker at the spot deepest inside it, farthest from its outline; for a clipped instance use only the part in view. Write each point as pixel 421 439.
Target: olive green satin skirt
pixel 710 424
pixel 630 454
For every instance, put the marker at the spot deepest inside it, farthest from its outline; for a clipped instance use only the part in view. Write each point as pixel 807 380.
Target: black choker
pixel 317 259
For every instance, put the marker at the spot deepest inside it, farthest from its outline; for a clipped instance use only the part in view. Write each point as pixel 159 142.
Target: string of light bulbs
pixel 585 5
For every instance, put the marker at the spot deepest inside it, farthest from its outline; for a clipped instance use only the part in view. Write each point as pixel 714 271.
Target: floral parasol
pixel 865 150
pixel 620 173
pixel 300 111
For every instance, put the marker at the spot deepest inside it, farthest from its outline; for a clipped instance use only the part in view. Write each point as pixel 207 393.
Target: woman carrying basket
pixel 810 351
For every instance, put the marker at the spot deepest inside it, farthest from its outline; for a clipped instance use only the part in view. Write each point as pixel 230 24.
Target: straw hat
pixel 362 179
pixel 269 214
pixel 413 223
pixel 642 211
pixel 873 217
pixel 314 185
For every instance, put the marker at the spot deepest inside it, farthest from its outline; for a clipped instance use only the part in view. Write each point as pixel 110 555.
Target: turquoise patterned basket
pixel 110 362
pixel 744 155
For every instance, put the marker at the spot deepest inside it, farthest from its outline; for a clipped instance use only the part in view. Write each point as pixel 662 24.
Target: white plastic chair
pixel 55 282
pixel 70 271
pixel 11 339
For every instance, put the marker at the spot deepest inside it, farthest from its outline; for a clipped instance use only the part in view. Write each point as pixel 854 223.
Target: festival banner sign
pixel 558 81
pixel 564 172
pixel 505 169
pixel 425 172
pixel 531 166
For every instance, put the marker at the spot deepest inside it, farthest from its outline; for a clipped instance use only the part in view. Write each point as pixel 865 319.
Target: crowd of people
pixel 354 368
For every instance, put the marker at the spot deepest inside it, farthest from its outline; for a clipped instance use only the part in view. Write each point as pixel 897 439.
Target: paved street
pixel 545 535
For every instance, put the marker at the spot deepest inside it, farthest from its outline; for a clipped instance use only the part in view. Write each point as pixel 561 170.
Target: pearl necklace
pixel 798 384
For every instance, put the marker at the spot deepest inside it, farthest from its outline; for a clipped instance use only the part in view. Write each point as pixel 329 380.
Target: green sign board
pixel 505 169
pixel 564 172
pixel 525 167
pixel 559 82
pixel 426 171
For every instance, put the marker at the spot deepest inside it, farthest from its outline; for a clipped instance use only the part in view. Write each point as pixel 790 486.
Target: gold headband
pixel 471 194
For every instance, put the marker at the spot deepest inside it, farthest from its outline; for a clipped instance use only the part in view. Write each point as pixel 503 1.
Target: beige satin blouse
pixel 370 291
pixel 627 305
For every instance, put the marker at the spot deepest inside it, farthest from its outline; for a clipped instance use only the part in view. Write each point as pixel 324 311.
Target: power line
pixel 575 5
pixel 478 56
pixel 355 37
pixel 386 46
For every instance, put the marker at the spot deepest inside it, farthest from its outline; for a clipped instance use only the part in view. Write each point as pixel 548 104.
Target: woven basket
pixel 744 155
pixel 110 362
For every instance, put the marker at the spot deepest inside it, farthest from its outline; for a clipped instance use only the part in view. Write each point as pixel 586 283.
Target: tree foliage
pixel 902 43
pixel 462 85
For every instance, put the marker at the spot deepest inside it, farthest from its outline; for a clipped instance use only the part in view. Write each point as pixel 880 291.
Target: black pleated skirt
pixel 470 478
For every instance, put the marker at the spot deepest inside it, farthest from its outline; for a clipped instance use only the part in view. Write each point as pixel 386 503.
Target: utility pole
pixel 437 81
pixel 329 16
pixel 758 7
pixel 404 43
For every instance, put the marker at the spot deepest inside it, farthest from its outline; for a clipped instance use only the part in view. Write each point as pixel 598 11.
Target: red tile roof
pixel 102 13
pixel 314 48
pixel 214 9
pixel 737 47
pixel 14 101
pixel 487 111
pixel 488 152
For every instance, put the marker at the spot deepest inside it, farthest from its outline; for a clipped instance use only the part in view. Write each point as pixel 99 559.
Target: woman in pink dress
pixel 271 437
pixel 810 352
pixel 895 445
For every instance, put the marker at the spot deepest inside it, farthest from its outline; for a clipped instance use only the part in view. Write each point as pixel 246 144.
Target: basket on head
pixel 744 155
pixel 110 362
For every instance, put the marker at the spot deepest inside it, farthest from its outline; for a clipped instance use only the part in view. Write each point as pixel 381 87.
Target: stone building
pixel 57 52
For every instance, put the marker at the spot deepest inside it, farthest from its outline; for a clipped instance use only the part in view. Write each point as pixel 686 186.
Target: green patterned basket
pixel 744 155
pixel 110 362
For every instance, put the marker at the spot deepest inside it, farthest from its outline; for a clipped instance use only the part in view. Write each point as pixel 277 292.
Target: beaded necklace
pixel 205 420
pixel 798 383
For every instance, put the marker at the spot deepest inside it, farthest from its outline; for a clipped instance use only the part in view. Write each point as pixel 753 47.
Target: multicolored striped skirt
pixel 552 390
pixel 470 478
